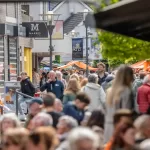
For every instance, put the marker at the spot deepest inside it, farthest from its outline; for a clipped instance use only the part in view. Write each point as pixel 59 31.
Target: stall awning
pixel 128 17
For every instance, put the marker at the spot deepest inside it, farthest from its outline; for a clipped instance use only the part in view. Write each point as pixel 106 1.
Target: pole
pixel 87 59
pixel 18 49
pixel 50 49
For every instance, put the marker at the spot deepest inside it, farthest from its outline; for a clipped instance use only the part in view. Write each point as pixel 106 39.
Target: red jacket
pixel 143 98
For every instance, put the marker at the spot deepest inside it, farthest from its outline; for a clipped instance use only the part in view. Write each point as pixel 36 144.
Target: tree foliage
pixel 118 49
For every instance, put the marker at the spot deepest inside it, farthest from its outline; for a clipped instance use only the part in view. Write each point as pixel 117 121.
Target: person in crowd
pixel 145 145
pixel 26 88
pixel 41 119
pixel 101 73
pixel 35 106
pixel 75 76
pixel 143 95
pixel 92 88
pixel 60 78
pixel 142 125
pixel 15 139
pixel 7 121
pixel 83 139
pixel 43 79
pixel 123 138
pixel 80 78
pixel 49 107
pixel 96 119
pixel 86 118
pixel 58 106
pixel 76 108
pixel 53 85
pixel 83 82
pixel 35 78
pixel 43 138
pixel 118 96
pixel 71 91
pixel 108 82
pixel 64 126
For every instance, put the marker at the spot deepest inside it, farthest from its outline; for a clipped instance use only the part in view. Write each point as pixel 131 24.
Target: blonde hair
pixel 122 80
pixel 84 82
pixel 74 76
pixel 17 136
pixel 73 86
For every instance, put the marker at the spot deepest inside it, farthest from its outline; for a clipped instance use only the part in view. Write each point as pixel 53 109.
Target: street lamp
pixel 86 27
pixel 50 27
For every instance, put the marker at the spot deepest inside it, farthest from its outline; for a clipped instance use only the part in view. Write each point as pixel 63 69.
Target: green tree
pixel 119 49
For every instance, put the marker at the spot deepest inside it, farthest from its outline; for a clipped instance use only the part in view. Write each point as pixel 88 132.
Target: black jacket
pixel 27 87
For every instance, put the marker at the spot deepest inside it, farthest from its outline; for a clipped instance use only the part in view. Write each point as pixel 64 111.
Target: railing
pixel 22 94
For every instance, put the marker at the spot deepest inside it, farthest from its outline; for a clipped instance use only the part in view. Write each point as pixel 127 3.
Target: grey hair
pixel 145 145
pixel 93 78
pixel 70 121
pixel 58 73
pixel 11 116
pixel 141 122
pixel 45 118
pixel 82 133
pixel 146 79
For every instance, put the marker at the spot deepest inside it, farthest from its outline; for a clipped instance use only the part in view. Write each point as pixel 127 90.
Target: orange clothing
pixel 108 146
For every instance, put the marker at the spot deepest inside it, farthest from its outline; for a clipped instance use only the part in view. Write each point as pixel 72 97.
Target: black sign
pixel 36 29
pixel 77 48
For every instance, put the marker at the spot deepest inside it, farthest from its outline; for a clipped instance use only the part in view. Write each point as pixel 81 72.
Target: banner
pixel 36 29
pixel 77 48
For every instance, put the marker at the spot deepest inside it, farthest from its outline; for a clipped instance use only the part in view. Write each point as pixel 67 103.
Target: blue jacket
pixel 71 110
pixel 56 87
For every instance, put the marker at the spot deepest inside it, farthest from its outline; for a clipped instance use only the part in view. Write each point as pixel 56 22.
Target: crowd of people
pixel 104 111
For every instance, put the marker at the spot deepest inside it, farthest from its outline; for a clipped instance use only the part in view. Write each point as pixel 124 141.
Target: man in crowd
pixel 142 125
pixel 53 85
pixel 26 88
pixel 49 107
pixel 101 73
pixel 76 108
pixel 35 78
pixel 143 95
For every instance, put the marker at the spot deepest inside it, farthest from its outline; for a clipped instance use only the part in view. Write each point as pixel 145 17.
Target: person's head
pixel 34 70
pixel 49 100
pixel 101 67
pixel 35 106
pixel 123 79
pixel 96 119
pixel 44 75
pixel 84 82
pixel 66 124
pixel 146 79
pixel 58 105
pixel 15 139
pixel 124 136
pixel 82 100
pixel 23 75
pixel 93 78
pixel 122 116
pixel 82 138
pixel 73 86
pixel 9 120
pixel 142 125
pixel 52 75
pixel 41 119
pixel 59 75
pixel 145 145
pixel 42 138
pixel 19 78
pixel 142 75
pixel 75 76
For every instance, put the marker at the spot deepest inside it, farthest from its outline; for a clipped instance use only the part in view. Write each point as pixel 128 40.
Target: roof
pixel 129 17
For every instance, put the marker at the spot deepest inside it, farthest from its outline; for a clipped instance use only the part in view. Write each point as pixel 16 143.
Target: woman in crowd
pixel 43 138
pixel 15 139
pixel 43 78
pixel 118 96
pixel 84 82
pixel 7 121
pixel 60 78
pixel 123 138
pixel 95 92
pixel 72 89
pixel 75 76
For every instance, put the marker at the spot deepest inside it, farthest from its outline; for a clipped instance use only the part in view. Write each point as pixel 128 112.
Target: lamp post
pixel 87 55
pixel 50 27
